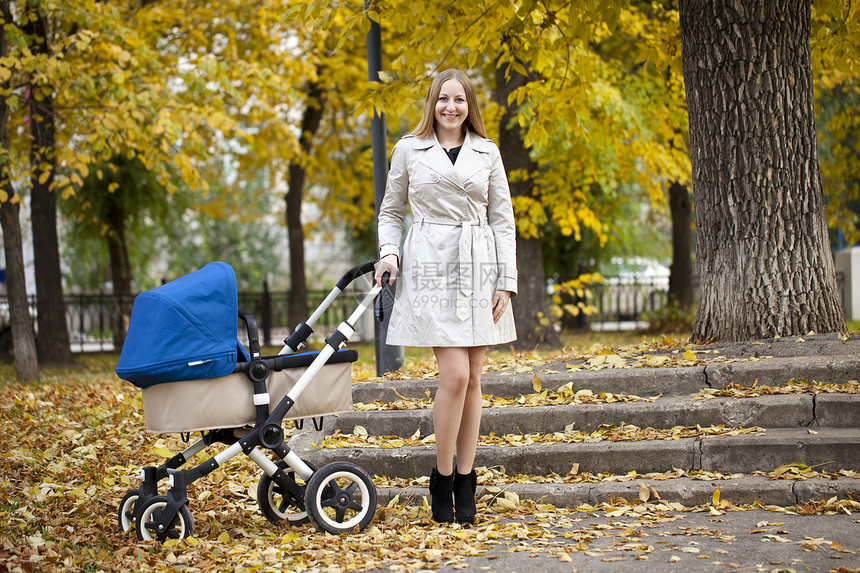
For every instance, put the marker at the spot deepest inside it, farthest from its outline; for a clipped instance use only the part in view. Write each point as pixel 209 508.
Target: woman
pixel 458 270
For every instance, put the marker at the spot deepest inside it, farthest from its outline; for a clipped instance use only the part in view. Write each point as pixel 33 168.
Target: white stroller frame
pixel 323 500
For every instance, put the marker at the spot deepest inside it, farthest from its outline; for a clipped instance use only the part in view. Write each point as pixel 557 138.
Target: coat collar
pixel 468 162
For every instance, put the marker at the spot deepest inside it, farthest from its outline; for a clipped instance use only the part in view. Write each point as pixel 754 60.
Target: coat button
pixel 441 246
pixel 462 193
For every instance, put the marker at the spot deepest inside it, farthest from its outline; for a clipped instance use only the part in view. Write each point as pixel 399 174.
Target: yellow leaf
pixel 644 494
pixel 689 355
pixel 163 452
pixel 536 383
pixel 715 500
pixel 224 537
pixel 503 504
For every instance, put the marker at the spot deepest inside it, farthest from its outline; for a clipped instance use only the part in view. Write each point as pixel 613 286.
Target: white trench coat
pixel 460 249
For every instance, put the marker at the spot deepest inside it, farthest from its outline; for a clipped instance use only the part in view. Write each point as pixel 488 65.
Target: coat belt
pixel 464 256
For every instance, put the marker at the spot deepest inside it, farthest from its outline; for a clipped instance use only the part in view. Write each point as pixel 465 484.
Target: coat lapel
pixel 470 160
pixel 436 159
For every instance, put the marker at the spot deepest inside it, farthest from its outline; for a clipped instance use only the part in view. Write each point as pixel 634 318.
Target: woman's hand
pixel 387 264
pixel 501 300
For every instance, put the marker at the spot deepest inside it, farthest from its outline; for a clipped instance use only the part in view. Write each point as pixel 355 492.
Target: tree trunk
pixel 763 255
pixel 23 336
pixel 120 272
pixel 531 305
pixel 681 274
pixel 53 340
pixel 298 299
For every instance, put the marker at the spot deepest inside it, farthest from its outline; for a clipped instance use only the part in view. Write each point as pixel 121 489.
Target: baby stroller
pixel 182 350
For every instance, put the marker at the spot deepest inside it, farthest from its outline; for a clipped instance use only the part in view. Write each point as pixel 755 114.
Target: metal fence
pixel 90 323
pixel 619 304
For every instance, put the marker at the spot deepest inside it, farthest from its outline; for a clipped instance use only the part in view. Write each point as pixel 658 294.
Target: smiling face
pixel 451 108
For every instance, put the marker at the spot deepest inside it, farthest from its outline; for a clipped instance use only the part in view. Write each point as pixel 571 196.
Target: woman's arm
pixel 500 215
pixel 391 214
pixel 393 207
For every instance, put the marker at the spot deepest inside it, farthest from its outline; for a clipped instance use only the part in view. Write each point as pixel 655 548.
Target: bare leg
pixel 454 378
pixel 470 423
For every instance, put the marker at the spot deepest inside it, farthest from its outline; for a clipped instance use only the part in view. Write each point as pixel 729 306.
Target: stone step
pixel 830 449
pixel 644 382
pixel 769 411
pixel 686 491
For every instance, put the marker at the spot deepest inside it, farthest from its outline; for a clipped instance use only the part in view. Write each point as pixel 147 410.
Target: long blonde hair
pixel 473 121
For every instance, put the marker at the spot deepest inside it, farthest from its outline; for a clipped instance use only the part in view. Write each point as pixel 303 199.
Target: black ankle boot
pixel 464 496
pixel 441 497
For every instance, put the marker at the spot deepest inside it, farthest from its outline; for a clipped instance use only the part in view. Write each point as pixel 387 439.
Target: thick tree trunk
pixel 298 298
pixel 681 275
pixel 763 255
pixel 531 305
pixel 23 336
pixel 53 340
pixel 120 272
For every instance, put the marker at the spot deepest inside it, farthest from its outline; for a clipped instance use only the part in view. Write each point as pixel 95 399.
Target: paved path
pixel 738 541
pixel 812 428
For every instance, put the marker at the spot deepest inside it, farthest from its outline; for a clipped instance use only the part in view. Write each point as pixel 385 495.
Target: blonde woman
pixel 457 272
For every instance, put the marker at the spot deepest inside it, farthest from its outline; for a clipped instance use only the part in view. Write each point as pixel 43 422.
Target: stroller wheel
pixel 128 510
pixel 277 504
pixel 150 516
pixel 340 497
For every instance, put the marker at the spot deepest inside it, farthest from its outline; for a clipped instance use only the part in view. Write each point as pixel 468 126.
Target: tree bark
pixel 763 255
pixel 298 298
pixel 120 272
pixel 681 273
pixel 531 305
pixel 53 340
pixel 23 336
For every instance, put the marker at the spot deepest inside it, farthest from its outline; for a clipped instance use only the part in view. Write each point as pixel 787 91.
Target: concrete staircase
pixel 730 435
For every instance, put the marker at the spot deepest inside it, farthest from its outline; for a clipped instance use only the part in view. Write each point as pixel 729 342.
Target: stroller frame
pixel 326 502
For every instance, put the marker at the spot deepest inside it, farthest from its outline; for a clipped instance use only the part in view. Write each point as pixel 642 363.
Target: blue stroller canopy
pixel 184 330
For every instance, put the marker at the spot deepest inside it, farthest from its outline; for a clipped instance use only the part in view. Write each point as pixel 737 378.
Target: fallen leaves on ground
pixel 564 395
pixel 800 471
pixel 359 437
pixel 649 355
pixel 665 352
pixel 793 386
pixel 497 475
pixel 73 445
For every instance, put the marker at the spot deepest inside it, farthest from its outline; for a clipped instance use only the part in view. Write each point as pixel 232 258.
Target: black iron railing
pixel 618 303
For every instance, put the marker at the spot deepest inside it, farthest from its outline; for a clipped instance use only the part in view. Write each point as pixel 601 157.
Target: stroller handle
pixel 354 273
pixel 304 330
